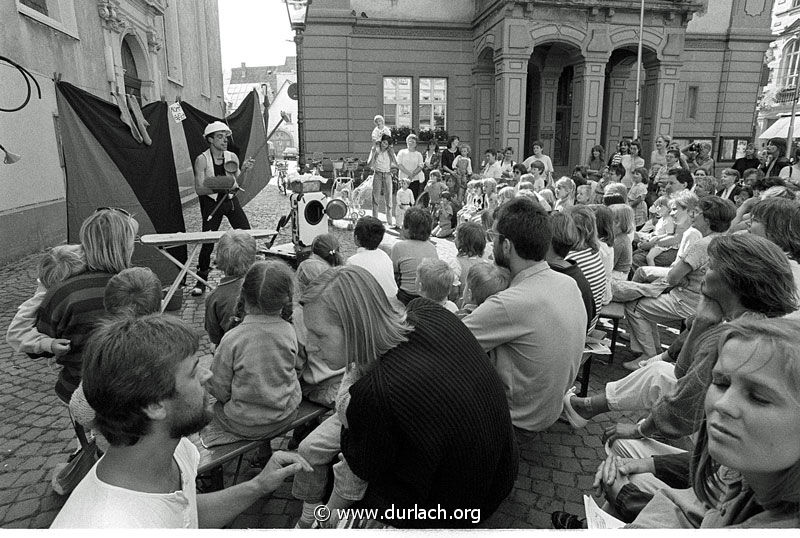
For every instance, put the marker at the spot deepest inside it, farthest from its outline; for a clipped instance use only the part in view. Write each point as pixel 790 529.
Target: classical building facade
pixel 274 82
pixel 154 49
pixel 780 90
pixel 507 72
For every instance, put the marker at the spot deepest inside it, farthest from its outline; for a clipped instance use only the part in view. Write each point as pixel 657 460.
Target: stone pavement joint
pixel 556 466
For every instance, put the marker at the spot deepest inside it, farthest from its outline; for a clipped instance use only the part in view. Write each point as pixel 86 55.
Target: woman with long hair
pixel 746 463
pixel 596 160
pixel 427 422
pixel 586 253
pixel 71 309
pixel 744 470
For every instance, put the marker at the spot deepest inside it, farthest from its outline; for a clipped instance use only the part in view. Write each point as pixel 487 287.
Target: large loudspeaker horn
pixel 310 213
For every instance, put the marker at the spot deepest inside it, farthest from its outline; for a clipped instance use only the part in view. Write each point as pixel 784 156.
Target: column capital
pixel 596 58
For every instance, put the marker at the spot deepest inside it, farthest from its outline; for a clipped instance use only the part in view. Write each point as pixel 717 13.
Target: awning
pixel 780 129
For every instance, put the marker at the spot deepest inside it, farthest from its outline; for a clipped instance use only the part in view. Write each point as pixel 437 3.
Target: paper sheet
pixel 597 518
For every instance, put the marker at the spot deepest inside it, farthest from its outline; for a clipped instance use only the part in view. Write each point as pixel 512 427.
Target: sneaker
pixel 564 520
pixel 575 420
pixel 633 364
pixel 198 290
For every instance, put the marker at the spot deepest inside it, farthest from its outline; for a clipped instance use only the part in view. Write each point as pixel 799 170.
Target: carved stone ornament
pixel 109 14
pixel 154 41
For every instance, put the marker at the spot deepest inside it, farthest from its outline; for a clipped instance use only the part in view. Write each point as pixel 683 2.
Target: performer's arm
pixel 200 176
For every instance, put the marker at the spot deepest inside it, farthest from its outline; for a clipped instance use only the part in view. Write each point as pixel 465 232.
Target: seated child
pixel 537 171
pixel 565 194
pixel 583 194
pixel 489 194
pixel 253 374
pixel 506 194
pixel 236 252
pixel 318 382
pixel 445 214
pixel 471 245
pixel 435 280
pixel 482 281
pixel 744 193
pixel 661 225
pixel 132 292
pixel 615 193
pixel 472 200
pixel 60 263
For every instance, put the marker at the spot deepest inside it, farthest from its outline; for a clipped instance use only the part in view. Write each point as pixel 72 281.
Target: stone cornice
pixel 486 9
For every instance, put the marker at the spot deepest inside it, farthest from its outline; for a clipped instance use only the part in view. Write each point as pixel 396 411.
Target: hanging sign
pixel 177 112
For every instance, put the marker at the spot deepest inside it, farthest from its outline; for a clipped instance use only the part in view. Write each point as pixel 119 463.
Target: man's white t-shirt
pixel 95 504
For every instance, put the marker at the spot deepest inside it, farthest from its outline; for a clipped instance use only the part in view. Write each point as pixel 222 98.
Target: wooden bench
pixel 212 459
pixel 615 312
pixel 589 351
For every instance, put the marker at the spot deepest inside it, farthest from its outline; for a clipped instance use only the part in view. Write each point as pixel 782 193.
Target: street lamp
pixel 298 12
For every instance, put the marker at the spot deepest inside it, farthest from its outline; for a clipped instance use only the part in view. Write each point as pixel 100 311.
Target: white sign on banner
pixel 177 112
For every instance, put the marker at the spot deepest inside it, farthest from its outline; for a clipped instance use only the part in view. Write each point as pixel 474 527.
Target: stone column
pixel 511 80
pixel 587 108
pixel 547 110
pixel 658 102
pixel 484 111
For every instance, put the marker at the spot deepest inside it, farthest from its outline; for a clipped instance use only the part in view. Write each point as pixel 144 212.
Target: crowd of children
pixel 270 351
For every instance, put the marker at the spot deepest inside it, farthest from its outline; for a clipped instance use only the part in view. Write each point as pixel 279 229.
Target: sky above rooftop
pixel 255 32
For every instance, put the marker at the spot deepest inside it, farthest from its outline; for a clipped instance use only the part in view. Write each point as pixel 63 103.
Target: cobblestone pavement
pixel 556 466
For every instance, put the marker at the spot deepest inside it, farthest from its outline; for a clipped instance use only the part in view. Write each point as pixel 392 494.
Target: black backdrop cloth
pixel 107 167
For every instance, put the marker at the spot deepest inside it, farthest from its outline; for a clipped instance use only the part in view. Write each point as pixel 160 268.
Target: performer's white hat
pixel 216 127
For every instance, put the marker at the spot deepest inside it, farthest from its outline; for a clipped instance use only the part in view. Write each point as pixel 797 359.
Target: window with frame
pixel 397 101
pixel 791 54
pixel 432 103
pixel 57 14
pixel 38 5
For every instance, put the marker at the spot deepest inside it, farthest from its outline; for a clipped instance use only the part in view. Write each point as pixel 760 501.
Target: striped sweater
pixel 71 310
pixel 591 265
pixel 429 424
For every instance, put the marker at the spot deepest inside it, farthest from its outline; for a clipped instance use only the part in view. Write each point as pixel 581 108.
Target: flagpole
pixel 790 132
pixel 638 74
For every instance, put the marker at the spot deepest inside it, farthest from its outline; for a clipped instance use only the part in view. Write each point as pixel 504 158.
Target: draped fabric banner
pixel 107 167
pixel 248 135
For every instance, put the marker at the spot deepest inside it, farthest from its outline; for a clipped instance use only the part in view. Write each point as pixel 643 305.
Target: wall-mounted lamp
pixel 10 158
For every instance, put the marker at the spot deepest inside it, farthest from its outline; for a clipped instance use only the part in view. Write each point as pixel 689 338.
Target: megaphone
pixel 10 158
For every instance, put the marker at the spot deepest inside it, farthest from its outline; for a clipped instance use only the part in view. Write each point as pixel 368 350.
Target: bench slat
pixel 216 456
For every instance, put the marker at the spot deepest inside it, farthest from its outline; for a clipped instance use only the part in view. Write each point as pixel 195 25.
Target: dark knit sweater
pixel 574 272
pixel 429 425
pixel 71 310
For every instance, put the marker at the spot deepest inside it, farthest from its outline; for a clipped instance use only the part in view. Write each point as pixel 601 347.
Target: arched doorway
pixel 281 140
pixel 133 84
pixel 549 102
